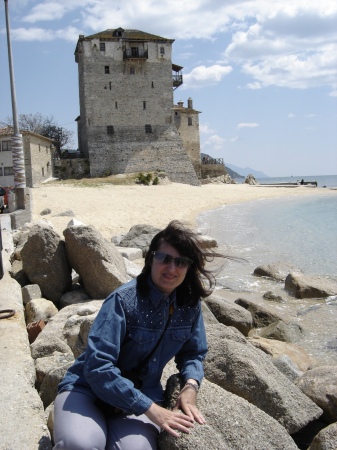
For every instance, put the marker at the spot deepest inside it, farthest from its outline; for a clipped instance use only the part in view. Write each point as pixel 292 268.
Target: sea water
pixel 299 230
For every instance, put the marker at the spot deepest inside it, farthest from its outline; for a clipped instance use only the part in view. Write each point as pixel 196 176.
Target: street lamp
pixel 17 147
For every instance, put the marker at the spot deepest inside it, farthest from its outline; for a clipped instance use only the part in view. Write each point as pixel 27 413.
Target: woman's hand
pixel 170 420
pixel 187 401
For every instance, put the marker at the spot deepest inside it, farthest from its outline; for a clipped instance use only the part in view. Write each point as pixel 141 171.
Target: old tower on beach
pixel 128 121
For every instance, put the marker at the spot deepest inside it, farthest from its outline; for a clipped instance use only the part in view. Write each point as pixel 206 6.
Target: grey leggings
pixel 80 425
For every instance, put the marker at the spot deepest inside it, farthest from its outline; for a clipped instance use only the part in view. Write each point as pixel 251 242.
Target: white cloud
pixel 333 93
pixel 203 75
pixel 254 86
pixel 215 141
pixel 247 125
pixel 43 35
pixel 291 116
pixel 205 129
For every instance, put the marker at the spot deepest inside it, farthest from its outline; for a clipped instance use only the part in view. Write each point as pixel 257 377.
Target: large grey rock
pixel 250 179
pixel 281 331
pixel 47 364
pixel 276 349
pixel 261 316
pixel 207 314
pixel 100 266
pixel 139 236
pixel 310 286
pixel 73 297
pixel 230 313
pixel 22 419
pixel 62 330
pixel 320 384
pixel 326 439
pixel 45 263
pixel 48 389
pixel 40 309
pixel 240 368
pixel 30 292
pixel 287 367
pixel 277 270
pixel 232 424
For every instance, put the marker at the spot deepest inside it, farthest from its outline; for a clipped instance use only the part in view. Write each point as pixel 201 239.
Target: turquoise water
pixel 298 230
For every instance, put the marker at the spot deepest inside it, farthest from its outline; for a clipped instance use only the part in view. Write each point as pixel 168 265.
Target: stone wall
pixel 71 168
pixel 212 170
pixel 38 158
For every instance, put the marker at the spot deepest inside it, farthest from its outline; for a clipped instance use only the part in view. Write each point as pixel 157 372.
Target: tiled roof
pixel 132 35
pixel 8 131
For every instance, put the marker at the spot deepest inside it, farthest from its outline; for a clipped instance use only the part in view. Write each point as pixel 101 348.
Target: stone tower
pixel 126 122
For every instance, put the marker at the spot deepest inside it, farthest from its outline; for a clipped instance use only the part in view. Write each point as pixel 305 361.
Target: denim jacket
pixel 125 331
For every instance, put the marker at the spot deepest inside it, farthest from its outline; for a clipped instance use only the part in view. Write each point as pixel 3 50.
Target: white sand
pixel 114 209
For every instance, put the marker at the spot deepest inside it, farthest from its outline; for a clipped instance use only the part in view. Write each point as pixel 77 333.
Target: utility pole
pixel 17 147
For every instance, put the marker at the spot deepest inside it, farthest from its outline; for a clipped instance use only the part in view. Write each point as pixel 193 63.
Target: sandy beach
pixel 114 209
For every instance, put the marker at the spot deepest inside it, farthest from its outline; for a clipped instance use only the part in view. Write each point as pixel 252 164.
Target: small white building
pixel 38 153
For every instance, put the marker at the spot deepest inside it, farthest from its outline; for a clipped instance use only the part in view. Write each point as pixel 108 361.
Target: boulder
pixel 207 241
pixel 231 423
pixel 132 269
pixel 230 313
pixel 17 272
pixel 139 236
pixel 276 349
pixel 281 331
pixel 270 296
pixel 262 316
pixel 40 309
pixel 130 253
pixel 326 439
pixel 277 270
pixel 100 266
pixel 287 367
pixel 240 368
pixel 29 292
pixel 47 364
pixel 250 179
pixel 207 314
pixel 310 286
pixel 45 263
pixel 320 384
pixel 48 389
pixel 75 296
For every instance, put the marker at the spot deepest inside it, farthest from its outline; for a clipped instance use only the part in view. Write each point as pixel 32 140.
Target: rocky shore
pixel 261 389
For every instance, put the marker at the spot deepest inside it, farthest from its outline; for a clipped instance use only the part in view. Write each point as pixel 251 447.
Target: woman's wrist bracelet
pixel 194 385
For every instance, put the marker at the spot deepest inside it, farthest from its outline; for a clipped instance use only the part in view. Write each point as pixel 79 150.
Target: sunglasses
pixel 179 262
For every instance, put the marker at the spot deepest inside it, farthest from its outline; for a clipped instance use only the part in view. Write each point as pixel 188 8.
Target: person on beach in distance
pixel 111 397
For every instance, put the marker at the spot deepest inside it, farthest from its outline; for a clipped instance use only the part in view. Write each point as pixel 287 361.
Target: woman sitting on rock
pixel 111 397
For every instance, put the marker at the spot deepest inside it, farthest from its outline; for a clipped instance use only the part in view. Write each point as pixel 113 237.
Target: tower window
pixel 144 105
pixel 110 129
pixel 116 105
pixel 148 129
pixel 132 70
pixel 106 69
pixel 102 46
pixel 190 121
pixel 162 50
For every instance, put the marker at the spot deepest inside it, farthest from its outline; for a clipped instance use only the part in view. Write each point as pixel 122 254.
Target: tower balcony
pixel 177 80
pixel 135 53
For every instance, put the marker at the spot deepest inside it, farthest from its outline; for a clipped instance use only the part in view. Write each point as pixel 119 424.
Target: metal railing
pixel 208 160
pixel 135 53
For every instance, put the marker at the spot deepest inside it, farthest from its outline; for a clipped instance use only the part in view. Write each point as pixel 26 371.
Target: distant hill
pixel 246 171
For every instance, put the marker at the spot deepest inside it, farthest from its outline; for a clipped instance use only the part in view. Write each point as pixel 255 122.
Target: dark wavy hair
pixel 186 242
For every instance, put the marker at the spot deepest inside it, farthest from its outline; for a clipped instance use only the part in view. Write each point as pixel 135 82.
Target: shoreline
pixel 114 209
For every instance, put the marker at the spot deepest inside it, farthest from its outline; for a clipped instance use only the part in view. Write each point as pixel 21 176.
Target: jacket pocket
pixel 142 336
pixel 181 335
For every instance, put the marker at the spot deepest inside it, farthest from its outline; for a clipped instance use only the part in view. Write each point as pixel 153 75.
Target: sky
pixel 262 73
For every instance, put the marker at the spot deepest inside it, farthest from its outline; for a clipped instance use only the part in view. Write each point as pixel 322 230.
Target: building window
pixel 148 129
pixel 189 119
pixel 144 105
pixel 0 171
pixel 39 147
pixel 132 70
pixel 152 84
pixel 116 105
pixel 162 50
pixel 6 146
pixel 8 171
pixel 110 129
pixel 106 69
pixel 102 46
pixel 42 171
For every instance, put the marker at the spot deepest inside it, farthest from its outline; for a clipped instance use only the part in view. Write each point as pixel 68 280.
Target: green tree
pixel 43 125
